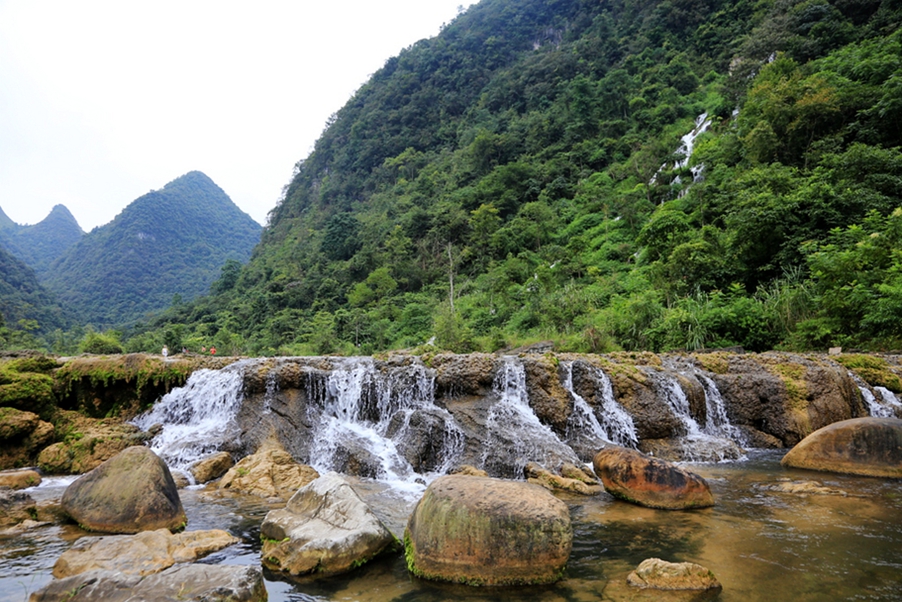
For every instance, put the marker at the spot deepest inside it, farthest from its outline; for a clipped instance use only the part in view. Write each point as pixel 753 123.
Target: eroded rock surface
pixel 22 435
pixel 20 479
pixel 270 472
pixel 211 467
pixel 659 574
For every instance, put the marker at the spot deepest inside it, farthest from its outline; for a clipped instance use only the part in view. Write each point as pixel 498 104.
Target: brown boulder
pixel 484 531
pixel 131 492
pixel 22 435
pixel 634 477
pixel 141 554
pixel 16 507
pixel 862 446
pixel 19 479
pixel 540 476
pixel 270 472
pixel 211 467
pixel 660 574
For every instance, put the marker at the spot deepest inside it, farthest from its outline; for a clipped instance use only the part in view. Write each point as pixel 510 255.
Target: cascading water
pixel 715 442
pixel 611 423
pixel 198 418
pixel 884 407
pixel 365 416
pixel 514 434
pixel 718 423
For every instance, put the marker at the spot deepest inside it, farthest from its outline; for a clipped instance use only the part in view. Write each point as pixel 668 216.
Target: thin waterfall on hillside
pixel 718 423
pixel 610 423
pixel 513 427
pixel 359 406
pixel 198 418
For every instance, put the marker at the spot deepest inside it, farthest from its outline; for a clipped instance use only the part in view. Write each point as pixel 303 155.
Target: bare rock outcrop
pixel 22 435
pixel 270 472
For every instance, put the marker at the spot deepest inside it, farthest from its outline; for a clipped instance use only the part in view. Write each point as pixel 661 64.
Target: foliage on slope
pixel 26 307
pixel 517 178
pixel 166 245
pixel 40 244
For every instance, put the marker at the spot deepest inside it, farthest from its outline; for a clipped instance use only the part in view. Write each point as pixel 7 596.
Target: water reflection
pixel 774 534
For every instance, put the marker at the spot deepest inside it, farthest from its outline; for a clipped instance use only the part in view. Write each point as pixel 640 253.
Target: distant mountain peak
pixel 6 222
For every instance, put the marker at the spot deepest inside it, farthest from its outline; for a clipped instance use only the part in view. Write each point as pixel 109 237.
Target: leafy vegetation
pixel 40 244
pixel 519 178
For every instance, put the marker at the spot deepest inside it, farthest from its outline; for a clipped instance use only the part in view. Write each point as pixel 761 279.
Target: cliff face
pixel 431 413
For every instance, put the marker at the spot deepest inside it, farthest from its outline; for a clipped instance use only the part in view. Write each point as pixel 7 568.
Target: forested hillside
pixel 40 244
pixel 165 248
pixel 26 308
pixel 520 177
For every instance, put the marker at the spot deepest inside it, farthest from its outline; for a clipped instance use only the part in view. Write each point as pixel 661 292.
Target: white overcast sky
pixel 103 101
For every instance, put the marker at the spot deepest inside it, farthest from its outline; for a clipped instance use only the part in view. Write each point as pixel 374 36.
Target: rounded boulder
pixel 862 446
pixel 632 476
pixel 483 531
pixel 131 492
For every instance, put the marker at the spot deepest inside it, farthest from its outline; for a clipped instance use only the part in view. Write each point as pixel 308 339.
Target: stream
pixel 760 542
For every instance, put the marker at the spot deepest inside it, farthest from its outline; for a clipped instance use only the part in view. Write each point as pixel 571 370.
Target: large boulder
pixel 632 476
pixel 184 582
pixel 863 446
pixel 270 472
pixel 484 531
pixel 659 574
pixel 131 492
pixel 325 529
pixel 142 554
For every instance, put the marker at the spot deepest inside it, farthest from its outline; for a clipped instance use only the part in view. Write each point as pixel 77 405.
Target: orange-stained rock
pixel 863 446
pixel 634 477
pixel 483 531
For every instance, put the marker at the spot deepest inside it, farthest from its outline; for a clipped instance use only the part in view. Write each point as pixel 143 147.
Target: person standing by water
pixel 165 352
pixel 212 350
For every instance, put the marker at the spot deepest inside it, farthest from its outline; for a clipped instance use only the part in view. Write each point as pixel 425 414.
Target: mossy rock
pixel 874 370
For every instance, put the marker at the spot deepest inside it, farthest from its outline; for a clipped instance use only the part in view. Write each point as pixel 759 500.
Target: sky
pixel 104 101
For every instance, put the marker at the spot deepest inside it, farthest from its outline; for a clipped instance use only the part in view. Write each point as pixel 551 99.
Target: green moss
pixel 873 370
pixel 716 362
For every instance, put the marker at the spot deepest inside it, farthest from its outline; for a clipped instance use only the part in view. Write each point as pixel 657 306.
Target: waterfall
pixel 718 423
pixel 365 418
pixel 885 407
pixel 713 443
pixel 687 146
pixel 198 418
pixel 514 434
pixel 615 426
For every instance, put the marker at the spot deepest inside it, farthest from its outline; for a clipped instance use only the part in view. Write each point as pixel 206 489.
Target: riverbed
pixel 842 542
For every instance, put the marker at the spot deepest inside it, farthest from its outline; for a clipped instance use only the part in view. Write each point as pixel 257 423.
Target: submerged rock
pixel 483 531
pixel 660 574
pixel 15 507
pixel 863 446
pixel 325 529
pixel 146 553
pixel 634 477
pixel 131 492
pixel 186 582
pixel 270 472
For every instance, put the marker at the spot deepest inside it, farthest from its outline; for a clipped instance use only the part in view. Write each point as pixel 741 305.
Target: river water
pixel 762 543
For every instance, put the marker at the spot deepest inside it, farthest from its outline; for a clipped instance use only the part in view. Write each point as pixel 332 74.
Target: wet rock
pixel 270 472
pixel 488 532
pixel 863 446
pixel 461 375
pixel 580 473
pixel 142 554
pixel 470 471
pixel 325 529
pixel 547 396
pixel 754 438
pixel 22 435
pixel 20 479
pixel 634 477
pixel 692 449
pixel 538 475
pixel 15 507
pixel 660 574
pixel 803 488
pixel 186 582
pixel 211 467
pixel 131 492
pixel 421 437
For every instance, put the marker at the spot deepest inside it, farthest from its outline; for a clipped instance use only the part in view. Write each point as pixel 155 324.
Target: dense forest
pixel 40 244
pixel 523 176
